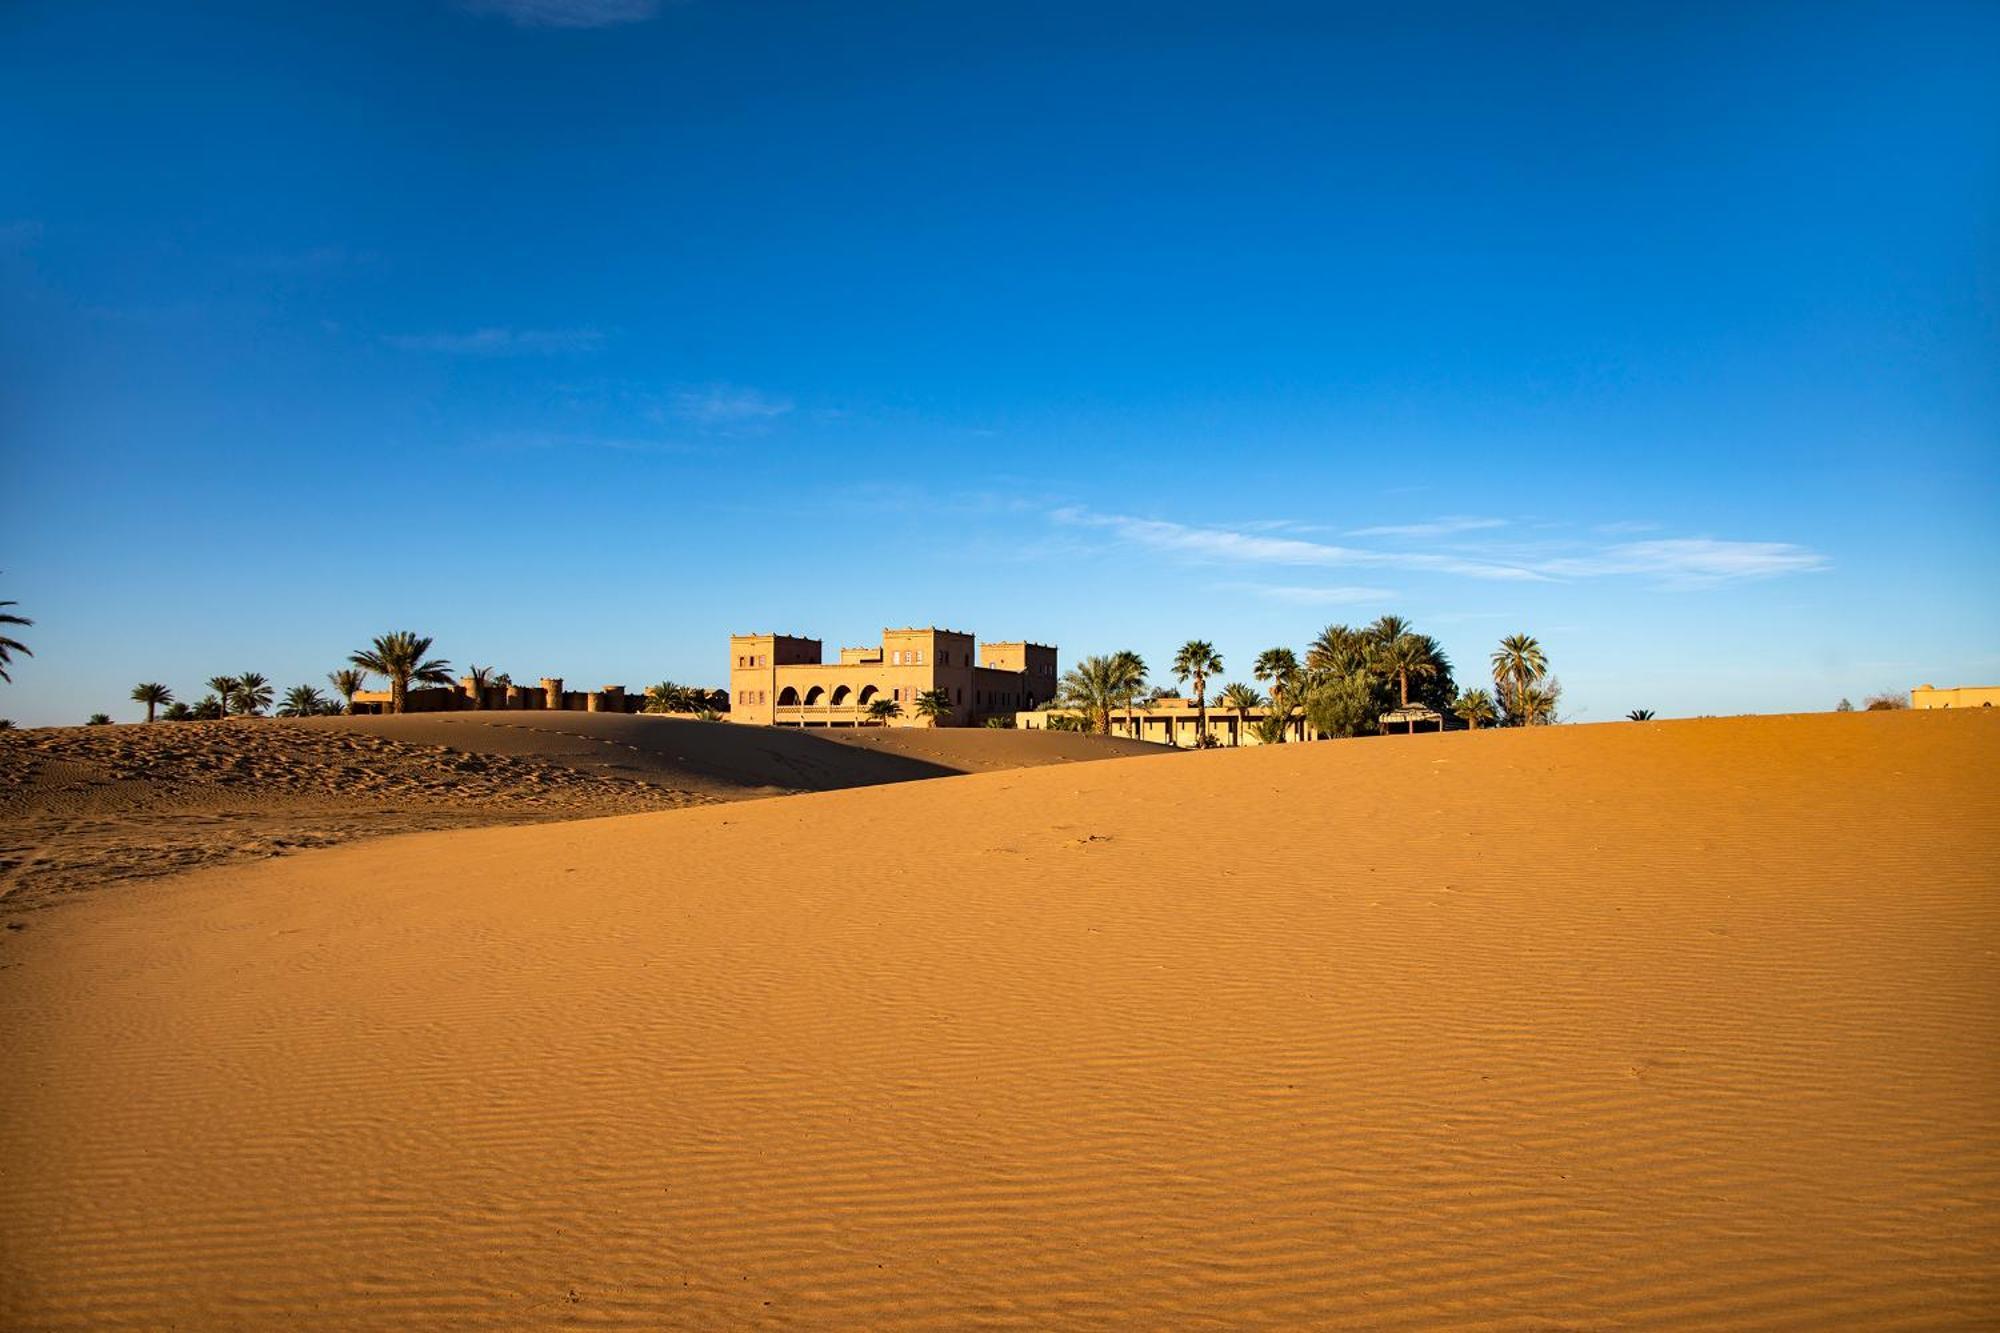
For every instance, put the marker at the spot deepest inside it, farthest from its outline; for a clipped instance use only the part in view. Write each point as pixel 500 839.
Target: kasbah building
pixel 784 679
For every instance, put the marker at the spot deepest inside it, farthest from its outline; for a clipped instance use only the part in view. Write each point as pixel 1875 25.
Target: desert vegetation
pixel 1343 683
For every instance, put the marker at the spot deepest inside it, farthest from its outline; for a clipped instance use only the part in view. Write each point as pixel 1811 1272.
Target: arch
pixel 815 696
pixel 841 694
pixel 788 697
pixel 868 693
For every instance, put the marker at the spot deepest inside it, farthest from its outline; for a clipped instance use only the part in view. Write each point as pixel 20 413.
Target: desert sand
pixel 1664 1025
pixel 82 807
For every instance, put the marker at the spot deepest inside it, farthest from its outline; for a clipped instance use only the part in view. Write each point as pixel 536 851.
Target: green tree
pixel 1346 705
pixel 882 709
pixel 1274 728
pixel 208 710
pixel 1541 702
pixel 1278 668
pixel 1336 651
pixel 1640 715
pixel 1130 671
pixel 400 658
pixel 1197 661
pixel 934 706
pixel 9 646
pixel 1094 687
pixel 1473 708
pixel 302 701
pixel 177 712
pixel 348 682
pixel 1402 657
pixel 225 692
pixel 253 694
pixel 153 695
pixel 1386 630
pixel 1518 666
pixel 1844 706
pixel 99 720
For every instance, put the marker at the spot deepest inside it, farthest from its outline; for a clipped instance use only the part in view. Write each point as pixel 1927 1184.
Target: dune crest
pixel 1661 1025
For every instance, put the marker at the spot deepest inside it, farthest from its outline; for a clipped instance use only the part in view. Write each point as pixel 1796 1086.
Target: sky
pixel 580 334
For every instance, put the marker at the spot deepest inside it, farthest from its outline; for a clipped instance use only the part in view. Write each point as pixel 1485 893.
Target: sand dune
pixel 84 806
pixel 1653 1026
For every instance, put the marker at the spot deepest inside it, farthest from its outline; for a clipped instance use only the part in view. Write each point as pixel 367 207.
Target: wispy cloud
pixel 1253 548
pixel 1297 595
pixel 1441 527
pixel 500 342
pixel 724 405
pixel 566 13
pixel 1694 560
pixel 1683 562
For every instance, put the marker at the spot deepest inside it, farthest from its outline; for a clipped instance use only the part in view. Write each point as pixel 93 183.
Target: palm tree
pixel 8 647
pixel 151 695
pixel 1473 707
pixel 1274 728
pixel 177 712
pixel 1130 671
pixel 1337 651
pixel 1197 661
pixel 1540 703
pixel 1640 715
pixel 225 691
pixel 1404 656
pixel 253 694
pixel 1518 664
pixel 1094 687
pixel 400 657
pixel 348 681
pixel 1387 629
pixel 934 705
pixel 302 701
pixel 1244 699
pixel 1279 668
pixel 99 720
pixel 884 709
pixel 209 709
pixel 481 678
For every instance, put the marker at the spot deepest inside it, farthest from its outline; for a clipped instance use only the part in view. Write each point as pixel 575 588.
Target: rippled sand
pixel 1657 1025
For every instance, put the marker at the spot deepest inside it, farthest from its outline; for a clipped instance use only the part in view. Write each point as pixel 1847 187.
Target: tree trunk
pixel 149 710
pixel 399 693
pixel 1403 687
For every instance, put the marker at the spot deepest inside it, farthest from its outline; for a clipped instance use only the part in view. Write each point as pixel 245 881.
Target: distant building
pixel 547 696
pixel 1178 722
pixel 1955 696
pixel 783 680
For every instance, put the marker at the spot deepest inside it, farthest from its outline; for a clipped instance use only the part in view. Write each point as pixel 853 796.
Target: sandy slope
pixel 84 806
pixel 1663 1026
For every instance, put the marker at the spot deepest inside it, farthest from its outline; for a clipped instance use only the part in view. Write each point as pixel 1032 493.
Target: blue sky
pixel 580 333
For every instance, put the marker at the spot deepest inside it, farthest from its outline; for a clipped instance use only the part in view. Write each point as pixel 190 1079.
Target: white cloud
pixel 721 405
pixel 500 342
pixel 1683 562
pixel 1695 560
pixel 1442 527
pixel 566 13
pixel 1296 595
pixel 1252 548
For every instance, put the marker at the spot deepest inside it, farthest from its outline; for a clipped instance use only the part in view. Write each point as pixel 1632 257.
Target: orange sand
pixel 1637 1026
